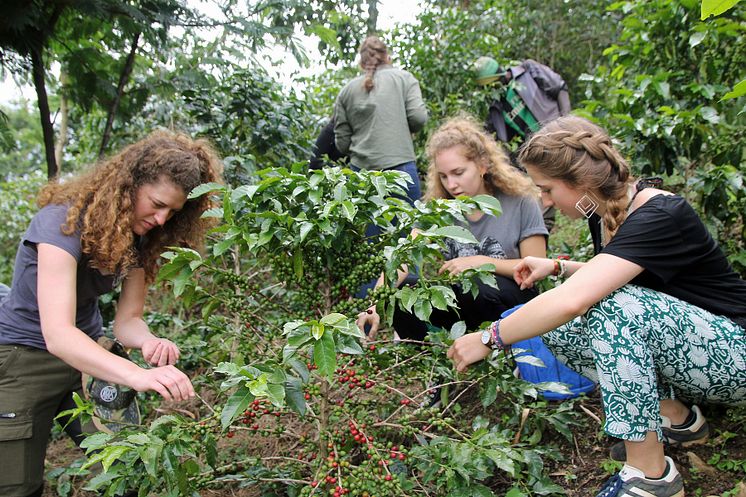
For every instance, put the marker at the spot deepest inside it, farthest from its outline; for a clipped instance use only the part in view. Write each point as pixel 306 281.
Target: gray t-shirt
pixel 19 311
pixel 499 237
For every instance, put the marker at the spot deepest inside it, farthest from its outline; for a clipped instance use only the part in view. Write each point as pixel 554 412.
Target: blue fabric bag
pixel 553 370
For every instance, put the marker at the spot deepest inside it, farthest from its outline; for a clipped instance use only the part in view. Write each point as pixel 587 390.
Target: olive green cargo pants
pixel 34 387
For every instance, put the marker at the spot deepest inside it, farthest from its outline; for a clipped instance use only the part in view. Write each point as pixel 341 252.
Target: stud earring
pixel 587 205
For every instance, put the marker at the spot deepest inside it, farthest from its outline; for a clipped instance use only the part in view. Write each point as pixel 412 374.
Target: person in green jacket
pixel 377 112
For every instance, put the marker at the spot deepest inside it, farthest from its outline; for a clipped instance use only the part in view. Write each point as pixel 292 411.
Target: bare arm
pixel 131 329
pixel 595 280
pixel 56 293
pixel 532 246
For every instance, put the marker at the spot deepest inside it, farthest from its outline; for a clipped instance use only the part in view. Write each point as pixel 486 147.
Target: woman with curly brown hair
pixel 465 160
pixel 93 232
pixel 658 316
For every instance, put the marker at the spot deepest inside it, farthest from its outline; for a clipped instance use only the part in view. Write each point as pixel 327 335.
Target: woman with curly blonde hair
pixel 93 232
pixel 465 160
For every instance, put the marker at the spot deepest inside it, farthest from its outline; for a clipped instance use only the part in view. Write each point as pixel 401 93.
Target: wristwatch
pixel 487 338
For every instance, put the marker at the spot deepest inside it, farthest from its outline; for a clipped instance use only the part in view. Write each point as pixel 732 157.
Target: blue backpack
pixel 553 370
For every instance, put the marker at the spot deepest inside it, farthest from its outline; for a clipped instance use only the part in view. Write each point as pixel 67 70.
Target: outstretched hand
pixel 160 352
pixel 467 350
pixel 531 270
pixel 369 317
pixel 461 264
pixel 168 381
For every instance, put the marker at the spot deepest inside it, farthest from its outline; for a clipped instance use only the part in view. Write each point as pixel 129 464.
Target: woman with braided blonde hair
pixel 97 230
pixel 376 113
pixel 657 316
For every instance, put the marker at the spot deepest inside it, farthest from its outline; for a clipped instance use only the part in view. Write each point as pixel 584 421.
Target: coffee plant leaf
pixel 516 492
pixel 458 329
pixel 235 406
pixel 294 395
pixel 205 188
pixel 488 204
pixel 457 233
pixel 347 344
pixel 423 309
pixel 324 355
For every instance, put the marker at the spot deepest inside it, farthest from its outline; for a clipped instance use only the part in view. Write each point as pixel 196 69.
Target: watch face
pixel 486 337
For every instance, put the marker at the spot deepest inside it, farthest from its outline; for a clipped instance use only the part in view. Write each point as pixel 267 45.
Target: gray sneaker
pixel 631 482
pixel 695 434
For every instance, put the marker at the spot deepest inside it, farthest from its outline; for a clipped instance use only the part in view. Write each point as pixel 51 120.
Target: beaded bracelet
pixel 497 341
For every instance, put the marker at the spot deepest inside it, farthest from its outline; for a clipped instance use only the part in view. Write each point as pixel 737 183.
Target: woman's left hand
pixel 461 264
pixel 467 350
pixel 160 352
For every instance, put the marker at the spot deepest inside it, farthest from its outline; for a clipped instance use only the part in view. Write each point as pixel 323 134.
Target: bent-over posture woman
pixel 92 232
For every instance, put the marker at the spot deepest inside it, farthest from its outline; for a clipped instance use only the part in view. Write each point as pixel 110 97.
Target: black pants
pixel 487 306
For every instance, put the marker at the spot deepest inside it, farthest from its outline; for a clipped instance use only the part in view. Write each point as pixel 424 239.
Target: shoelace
pixel 611 487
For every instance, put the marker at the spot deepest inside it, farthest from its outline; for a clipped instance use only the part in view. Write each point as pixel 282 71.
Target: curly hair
pixel 478 147
pixel 373 53
pixel 102 201
pixel 581 154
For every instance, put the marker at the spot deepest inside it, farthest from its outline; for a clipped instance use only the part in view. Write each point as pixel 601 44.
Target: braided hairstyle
pixel 479 147
pixel 581 154
pixel 373 53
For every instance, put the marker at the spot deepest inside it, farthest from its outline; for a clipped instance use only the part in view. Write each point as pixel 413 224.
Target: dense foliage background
pixel 665 77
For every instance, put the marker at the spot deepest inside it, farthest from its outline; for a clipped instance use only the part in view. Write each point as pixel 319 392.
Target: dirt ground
pixel 585 465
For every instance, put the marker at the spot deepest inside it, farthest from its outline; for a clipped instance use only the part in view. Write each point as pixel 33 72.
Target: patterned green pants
pixel 642 346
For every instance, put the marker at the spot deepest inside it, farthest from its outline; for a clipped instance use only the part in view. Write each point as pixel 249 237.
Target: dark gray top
pixel 19 310
pixel 499 237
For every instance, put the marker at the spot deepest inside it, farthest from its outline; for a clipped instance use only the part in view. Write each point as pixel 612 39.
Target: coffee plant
pixel 316 407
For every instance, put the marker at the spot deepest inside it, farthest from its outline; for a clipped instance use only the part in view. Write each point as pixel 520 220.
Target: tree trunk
pixel 64 114
pixel 37 69
pixel 123 78
pixel 372 16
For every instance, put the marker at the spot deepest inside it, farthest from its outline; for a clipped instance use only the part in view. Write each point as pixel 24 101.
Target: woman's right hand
pixel 168 381
pixel 369 317
pixel 532 269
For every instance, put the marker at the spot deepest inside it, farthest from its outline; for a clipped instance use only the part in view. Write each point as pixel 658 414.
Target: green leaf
pixel 488 204
pixel 236 405
pixel 324 355
pixel 516 492
pixel 349 210
pixel 501 460
pixel 276 394
pixel 458 233
pixel 204 188
pixel 295 396
pixel 710 114
pixel 716 7
pixel 423 309
pixel 738 91
pixel 298 264
pixel 457 330
pixel 317 330
pixel 305 229
pixel 333 319
pixel 697 38
pixel 347 344
pixel 327 35
pixel 112 455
